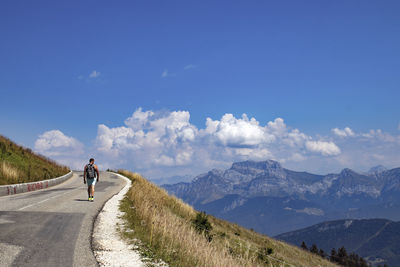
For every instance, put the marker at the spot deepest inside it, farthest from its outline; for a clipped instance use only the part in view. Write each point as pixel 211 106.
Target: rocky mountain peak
pixel 215 172
pixel 347 172
pixel 377 169
pixel 260 165
pixel 205 176
pixel 270 167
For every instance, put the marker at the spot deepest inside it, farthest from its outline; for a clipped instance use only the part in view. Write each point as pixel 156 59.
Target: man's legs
pixel 92 190
pixel 88 190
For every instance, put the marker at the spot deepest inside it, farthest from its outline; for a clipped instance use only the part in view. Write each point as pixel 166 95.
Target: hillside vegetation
pixel 21 165
pixel 374 239
pixel 173 231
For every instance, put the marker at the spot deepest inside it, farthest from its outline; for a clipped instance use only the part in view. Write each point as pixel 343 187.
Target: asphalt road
pixel 53 227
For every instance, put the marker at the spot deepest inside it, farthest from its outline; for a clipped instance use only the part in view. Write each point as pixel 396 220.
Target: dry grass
pixel 8 171
pixel 164 224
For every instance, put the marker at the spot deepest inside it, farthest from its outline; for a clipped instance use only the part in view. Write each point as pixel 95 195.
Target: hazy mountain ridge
pixel 268 178
pixel 300 198
pixel 374 239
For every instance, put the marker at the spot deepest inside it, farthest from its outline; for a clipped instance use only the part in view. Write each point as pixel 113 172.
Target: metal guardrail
pixel 12 189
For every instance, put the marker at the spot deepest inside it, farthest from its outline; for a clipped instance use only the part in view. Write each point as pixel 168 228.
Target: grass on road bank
pixel 167 229
pixel 21 165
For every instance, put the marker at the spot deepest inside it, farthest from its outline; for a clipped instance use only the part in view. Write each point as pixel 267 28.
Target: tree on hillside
pixel 333 257
pixel 314 249
pixel 339 256
pixel 344 259
pixel 342 255
pixel 322 253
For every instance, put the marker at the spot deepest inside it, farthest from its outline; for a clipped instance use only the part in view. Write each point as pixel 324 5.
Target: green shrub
pixel 202 225
pixel 263 253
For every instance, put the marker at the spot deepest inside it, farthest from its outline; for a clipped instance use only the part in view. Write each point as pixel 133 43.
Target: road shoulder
pixel 108 246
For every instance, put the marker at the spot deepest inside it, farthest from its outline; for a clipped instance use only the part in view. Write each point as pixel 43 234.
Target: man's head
pixel 91 161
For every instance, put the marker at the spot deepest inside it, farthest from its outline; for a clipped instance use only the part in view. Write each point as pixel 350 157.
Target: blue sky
pixel 74 65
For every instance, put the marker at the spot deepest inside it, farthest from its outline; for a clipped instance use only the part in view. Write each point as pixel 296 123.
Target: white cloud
pixel 373 134
pixel 150 138
pixel 163 143
pixel 295 138
pixel 139 119
pixel 94 74
pixel 54 142
pixel 277 127
pixel 190 66
pixel 233 132
pixel 114 140
pixel 154 140
pixel 346 132
pixel 64 149
pixel 379 135
pixel 325 148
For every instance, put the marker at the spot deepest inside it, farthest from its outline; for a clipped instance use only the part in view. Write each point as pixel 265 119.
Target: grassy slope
pixel 21 165
pixel 164 225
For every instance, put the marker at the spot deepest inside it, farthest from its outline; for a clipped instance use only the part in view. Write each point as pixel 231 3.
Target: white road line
pixel 44 200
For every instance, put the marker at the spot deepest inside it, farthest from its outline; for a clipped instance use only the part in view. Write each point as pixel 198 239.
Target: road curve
pixel 52 227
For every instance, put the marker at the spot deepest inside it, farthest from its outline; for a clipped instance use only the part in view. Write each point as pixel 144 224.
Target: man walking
pixel 91 174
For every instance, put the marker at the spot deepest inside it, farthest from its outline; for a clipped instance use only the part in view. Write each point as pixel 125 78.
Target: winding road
pixel 52 227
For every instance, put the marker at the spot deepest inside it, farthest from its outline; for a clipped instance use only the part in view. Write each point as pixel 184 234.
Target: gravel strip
pixel 108 246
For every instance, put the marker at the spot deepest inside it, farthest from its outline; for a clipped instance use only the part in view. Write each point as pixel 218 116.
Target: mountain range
pixel 377 240
pixel 271 199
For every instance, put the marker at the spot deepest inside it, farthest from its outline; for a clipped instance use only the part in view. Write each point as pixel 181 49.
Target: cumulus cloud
pixel 277 127
pixel 233 132
pixel 346 132
pixel 139 119
pixel 325 148
pixel 114 140
pixel 64 149
pixel 155 140
pixel 165 143
pixel 94 74
pixel 151 138
pixel 55 142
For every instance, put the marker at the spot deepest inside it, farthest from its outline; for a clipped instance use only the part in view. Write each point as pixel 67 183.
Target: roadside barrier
pixel 12 189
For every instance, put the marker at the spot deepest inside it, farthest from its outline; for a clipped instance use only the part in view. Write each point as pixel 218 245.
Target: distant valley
pixel 270 199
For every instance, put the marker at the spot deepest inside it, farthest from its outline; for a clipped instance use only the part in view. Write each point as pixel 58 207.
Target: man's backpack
pixel 90 171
